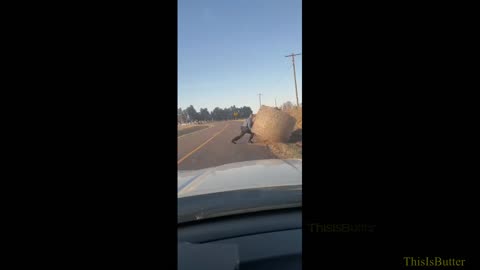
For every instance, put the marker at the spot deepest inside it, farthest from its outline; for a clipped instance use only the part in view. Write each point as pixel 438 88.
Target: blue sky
pixel 231 50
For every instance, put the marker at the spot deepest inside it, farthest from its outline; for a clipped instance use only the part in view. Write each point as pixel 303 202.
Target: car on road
pixel 243 215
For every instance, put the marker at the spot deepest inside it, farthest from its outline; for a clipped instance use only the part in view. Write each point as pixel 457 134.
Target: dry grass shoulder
pixel 190 129
pixel 286 150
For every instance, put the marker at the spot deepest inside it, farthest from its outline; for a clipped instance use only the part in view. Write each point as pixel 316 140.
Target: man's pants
pixel 244 130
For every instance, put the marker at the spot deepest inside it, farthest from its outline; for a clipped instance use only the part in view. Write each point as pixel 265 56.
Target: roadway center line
pixel 200 146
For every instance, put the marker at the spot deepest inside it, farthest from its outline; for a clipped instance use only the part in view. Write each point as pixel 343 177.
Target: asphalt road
pixel 213 147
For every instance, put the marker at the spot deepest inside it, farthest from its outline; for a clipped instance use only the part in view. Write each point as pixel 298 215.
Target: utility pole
pixel 275 102
pixel 260 99
pixel 295 75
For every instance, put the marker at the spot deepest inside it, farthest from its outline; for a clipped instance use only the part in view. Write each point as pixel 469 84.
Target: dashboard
pixel 262 240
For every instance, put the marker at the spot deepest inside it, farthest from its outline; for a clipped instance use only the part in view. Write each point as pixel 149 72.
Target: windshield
pixel 239 96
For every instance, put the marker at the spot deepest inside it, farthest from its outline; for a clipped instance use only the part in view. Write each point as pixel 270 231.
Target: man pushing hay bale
pixel 273 125
pixel 245 128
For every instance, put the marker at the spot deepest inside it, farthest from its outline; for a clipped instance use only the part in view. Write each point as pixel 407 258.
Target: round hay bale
pixel 296 113
pixel 273 125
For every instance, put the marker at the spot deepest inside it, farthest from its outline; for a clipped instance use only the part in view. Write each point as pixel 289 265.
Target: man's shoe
pixel 234 142
pixel 250 141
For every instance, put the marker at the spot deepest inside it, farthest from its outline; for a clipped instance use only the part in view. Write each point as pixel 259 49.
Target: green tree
pixel 217 114
pixel 192 114
pixel 244 112
pixel 204 114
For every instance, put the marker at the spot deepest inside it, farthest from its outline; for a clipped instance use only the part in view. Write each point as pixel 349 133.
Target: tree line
pixel 190 114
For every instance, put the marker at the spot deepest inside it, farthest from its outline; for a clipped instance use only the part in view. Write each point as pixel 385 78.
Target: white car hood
pixel 240 175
